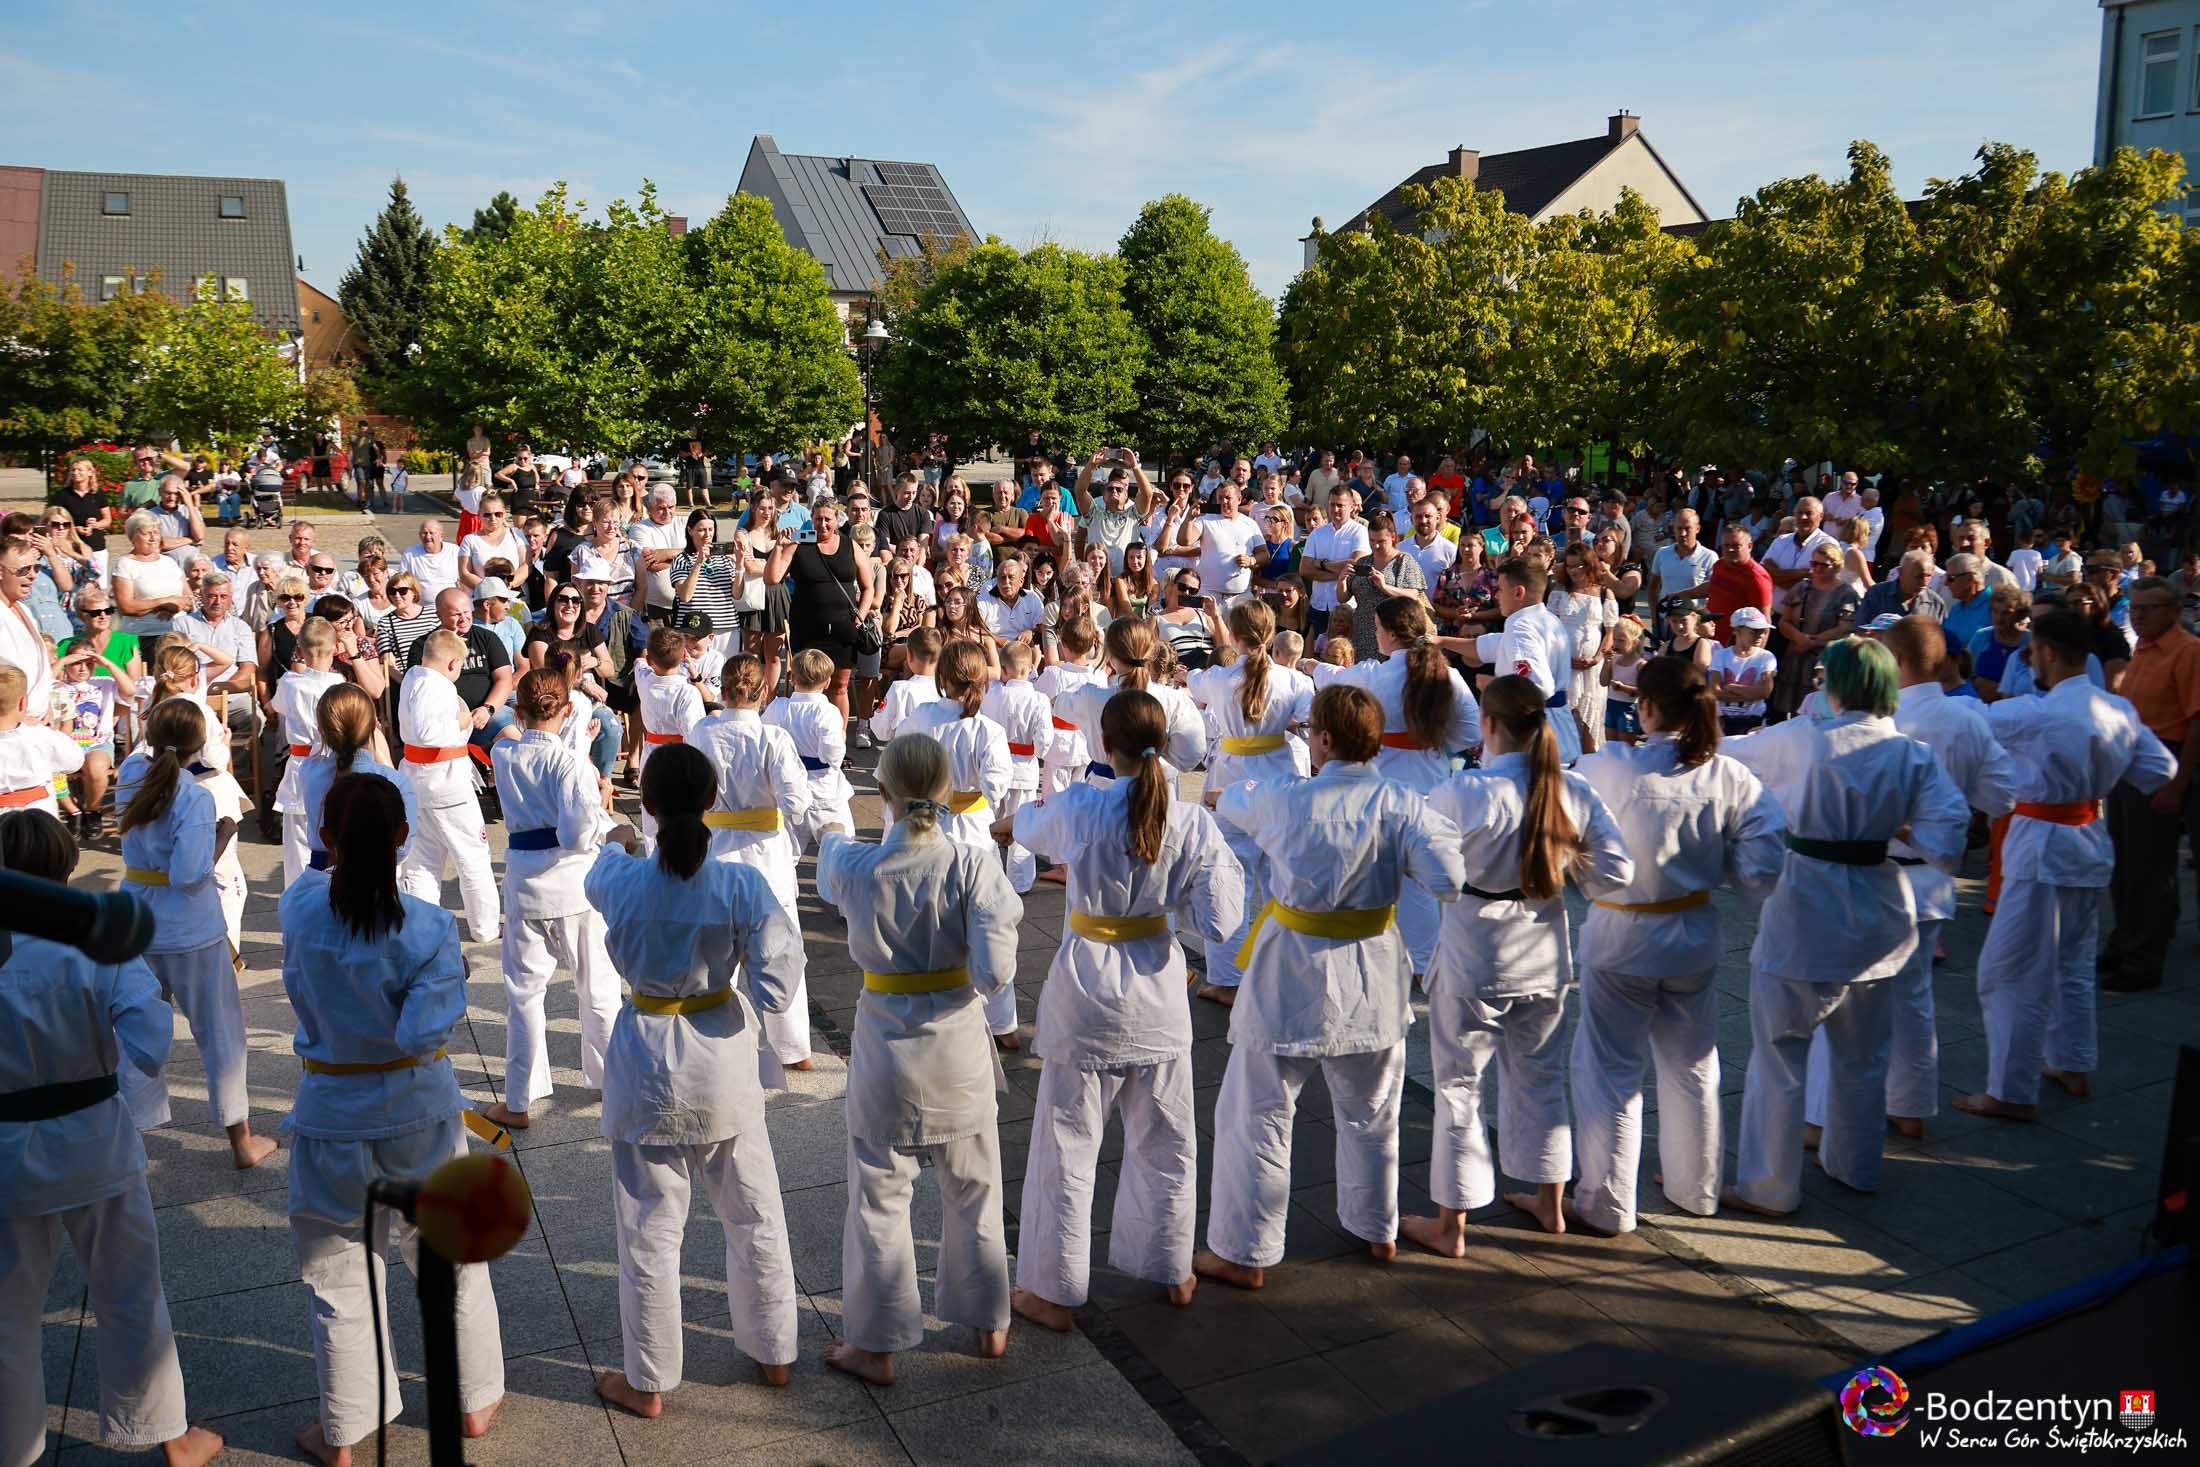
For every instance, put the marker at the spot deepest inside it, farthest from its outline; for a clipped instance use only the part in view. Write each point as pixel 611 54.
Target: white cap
pixel 492 588
pixel 588 566
pixel 1750 616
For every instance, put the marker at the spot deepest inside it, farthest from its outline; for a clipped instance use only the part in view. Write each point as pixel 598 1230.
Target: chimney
pixel 1622 126
pixel 1466 162
pixel 676 225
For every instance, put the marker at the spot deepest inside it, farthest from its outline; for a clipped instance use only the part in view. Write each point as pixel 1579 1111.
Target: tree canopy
pixel 382 292
pixel 1208 370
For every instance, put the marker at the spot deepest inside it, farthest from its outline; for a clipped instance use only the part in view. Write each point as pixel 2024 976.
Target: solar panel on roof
pixel 913 210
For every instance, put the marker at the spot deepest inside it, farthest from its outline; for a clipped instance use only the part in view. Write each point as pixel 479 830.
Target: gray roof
pixel 844 211
pixel 174 227
pixel 1529 178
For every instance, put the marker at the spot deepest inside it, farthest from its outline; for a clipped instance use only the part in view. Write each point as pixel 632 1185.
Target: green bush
pixel 112 460
pixel 429 461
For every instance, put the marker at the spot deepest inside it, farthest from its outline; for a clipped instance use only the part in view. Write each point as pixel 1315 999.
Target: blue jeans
pixel 500 719
pixel 603 746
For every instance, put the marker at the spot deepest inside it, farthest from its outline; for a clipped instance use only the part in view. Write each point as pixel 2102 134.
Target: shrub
pixel 429 461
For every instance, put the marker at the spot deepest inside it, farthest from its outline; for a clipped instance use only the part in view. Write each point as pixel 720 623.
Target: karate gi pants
pixel 297 849
pixel 118 1251
pixel 788 1031
pixel 202 984
pixel 1222 968
pixel 457 835
pixel 333 1266
pixel 1913 1051
pixel 1858 1022
pixel 534 948
pixel 1418 922
pixel 1156 1201
pixel 1525 1034
pixel 1674 1023
pixel 650 1187
pixel 2035 984
pixel 1252 1186
pixel 1022 864
pixel 880 1308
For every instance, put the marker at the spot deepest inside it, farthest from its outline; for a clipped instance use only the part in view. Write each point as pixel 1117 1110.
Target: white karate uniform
pixel 31 754
pixel 1853 777
pixel 1535 645
pixel 901 700
pixel 1063 758
pixel 684 1100
pixel 758 767
pixel 670 707
pixel 230 884
pixel 1027 718
pixel 922 1079
pixel 1290 696
pixel 1416 767
pixel 1344 839
pixel 1498 981
pixel 1961 738
pixel 297 703
pixel 371 1001
pixel 2036 971
pixel 1116 1034
pixel 820 738
pixel 447 825
pixel 548 922
pixel 64 1018
pixel 317 774
pixel 1184 748
pixel 216 749
pixel 190 950
pixel 977 753
pixel 1646 977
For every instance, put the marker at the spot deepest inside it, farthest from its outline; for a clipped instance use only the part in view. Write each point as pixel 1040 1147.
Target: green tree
pixel 382 292
pixel 1208 373
pixel 495 221
pixel 1000 343
pixel 219 377
pixel 328 397
pixel 70 369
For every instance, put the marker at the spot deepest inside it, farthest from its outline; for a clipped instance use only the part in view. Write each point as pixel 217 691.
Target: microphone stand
pixel 436 1279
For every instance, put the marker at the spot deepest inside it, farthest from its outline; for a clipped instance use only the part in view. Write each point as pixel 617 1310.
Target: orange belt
pixel 1404 741
pixel 1022 751
pixel 658 738
pixel 2073 812
pixel 301 751
pixel 1066 726
pixel 431 754
pixel 27 796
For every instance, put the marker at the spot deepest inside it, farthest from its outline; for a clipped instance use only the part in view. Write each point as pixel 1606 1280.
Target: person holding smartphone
pixel 706 577
pixel 1189 621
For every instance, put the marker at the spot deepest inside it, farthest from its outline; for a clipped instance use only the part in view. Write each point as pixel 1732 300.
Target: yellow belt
pixel 1686 902
pixel 934 982
pixel 1118 929
pixel 144 876
pixel 1342 923
pixel 764 818
pixel 377 1067
pixel 1253 744
pixel 962 802
pixel 693 1003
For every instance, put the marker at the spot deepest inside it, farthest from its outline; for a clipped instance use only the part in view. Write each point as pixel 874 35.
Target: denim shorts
pixel 1619 718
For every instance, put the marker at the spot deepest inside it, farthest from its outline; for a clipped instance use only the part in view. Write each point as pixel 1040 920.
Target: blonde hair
pixel 442 644
pixel 290 583
pixel 1287 648
pixel 811 668
pixel 1017 657
pixel 915 768
pixel 317 638
pixel 1251 625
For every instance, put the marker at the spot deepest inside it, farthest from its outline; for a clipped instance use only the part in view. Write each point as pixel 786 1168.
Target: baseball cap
pixel 1750 616
pixel 691 621
pixel 492 588
pixel 1884 620
pixel 591 567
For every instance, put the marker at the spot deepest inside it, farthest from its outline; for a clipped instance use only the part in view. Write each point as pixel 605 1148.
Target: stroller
pixel 267 494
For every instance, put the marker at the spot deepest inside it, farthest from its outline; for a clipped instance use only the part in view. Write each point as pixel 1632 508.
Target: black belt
pixel 1907 860
pixel 1514 895
pixel 47 1102
pixel 1839 852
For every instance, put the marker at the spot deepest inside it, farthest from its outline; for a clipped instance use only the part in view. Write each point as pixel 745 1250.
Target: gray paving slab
pixel 1086 1415
pixel 947 1366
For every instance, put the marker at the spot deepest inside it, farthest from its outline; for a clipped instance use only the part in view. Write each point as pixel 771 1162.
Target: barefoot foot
pixel 1735 1200
pixel 1040 1311
pixel 1214 1266
pixel 309 1441
pixel 1382 1252
pixel 2073 1082
pixel 1216 993
pixel 1812 1135
pixel 775 1375
pixel 1445 1235
pixel 992 1343
pixel 801 1064
pixel 248 1150
pixel 1544 1204
pixel 878 1369
pixel 1983 1104
pixel 477 1423
pixel 1181 1294
pixel 1911 1128
pixel 614 1387
pixel 200 1445
pixel 503 1115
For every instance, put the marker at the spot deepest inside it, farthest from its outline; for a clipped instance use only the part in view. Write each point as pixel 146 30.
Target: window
pixel 235 289
pixel 115 202
pixel 2158 73
pixel 232 206
pixel 140 283
pixel 110 286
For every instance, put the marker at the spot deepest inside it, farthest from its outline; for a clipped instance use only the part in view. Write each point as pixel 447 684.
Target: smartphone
pixel 807 535
pixel 1194 602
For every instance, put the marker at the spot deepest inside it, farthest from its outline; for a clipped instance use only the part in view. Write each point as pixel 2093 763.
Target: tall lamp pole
pixel 874 336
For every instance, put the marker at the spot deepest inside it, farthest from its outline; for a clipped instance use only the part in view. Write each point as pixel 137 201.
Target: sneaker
pixel 861 738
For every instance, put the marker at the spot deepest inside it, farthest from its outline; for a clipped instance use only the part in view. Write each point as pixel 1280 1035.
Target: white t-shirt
pixel 435 572
pixel 1783 554
pixel 1731 667
pixel 1327 542
pixel 479 550
pixel 159 579
pixel 1221 540
pixel 1672 571
pixel 2024 568
pixel 646 535
pixel 1877 519
pixel 1435 558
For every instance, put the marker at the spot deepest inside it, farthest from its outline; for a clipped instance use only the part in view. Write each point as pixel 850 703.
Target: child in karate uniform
pixel 349 736
pixel 820 738
pixel 1132 647
pixel 1326 986
pixel 1497 985
pixel 171 838
pixel 683 1103
pixel 295 702
pixel 1113 1027
pixel 934 923
pixel 73 1164
pixel 763 795
pixel 556 821
pixel 435 728
pixel 1026 718
pixel 1064 756
pixel 914 690
pixel 32 755
pixel 1533 644
pixel 378 984
pixel 1257 705
pixel 671 705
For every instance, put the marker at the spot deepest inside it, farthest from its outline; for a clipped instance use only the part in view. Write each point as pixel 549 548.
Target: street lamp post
pixel 874 336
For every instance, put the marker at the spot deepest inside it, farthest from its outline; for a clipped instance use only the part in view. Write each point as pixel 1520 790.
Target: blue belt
pixel 1556 700
pixel 318 861
pixel 1097 770
pixel 544 839
pixel 815 766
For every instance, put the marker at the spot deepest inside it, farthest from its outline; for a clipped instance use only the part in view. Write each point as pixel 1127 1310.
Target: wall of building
pixel 1630 165
pixel 2126 116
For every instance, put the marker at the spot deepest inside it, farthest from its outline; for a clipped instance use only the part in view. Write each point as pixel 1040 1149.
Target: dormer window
pixel 115 202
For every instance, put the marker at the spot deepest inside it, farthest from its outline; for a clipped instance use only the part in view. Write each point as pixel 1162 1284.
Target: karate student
pixel 1497 985
pixel 683 1103
pixel 671 705
pixel 1063 760
pixel 1428 714
pixel 934 922
pixel 435 728
pixel 916 688
pixel 349 737
pixel 1025 716
pixel 1259 707
pixel 73 1164
pixel 2070 747
pixel 1692 819
pixel 1961 738
pixel 32 755
pixel 556 822
pixel 820 738
pixel 1533 644
pixel 171 837
pixel 1113 1027
pixel 296 699
pixel 1326 986
pixel 1131 648
pixel 378 984
pixel 1839 924
pixel 763 795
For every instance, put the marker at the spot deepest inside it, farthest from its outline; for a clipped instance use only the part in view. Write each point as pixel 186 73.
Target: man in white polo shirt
pixel 1683 565
pixel 1226 539
pixel 1434 550
pixel 431 562
pixel 658 539
pixel 1331 549
pixel 1788 556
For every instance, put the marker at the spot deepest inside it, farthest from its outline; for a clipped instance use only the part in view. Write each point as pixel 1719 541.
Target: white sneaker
pixel 861 738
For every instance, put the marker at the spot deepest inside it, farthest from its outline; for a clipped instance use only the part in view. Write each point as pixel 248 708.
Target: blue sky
pixel 1049 121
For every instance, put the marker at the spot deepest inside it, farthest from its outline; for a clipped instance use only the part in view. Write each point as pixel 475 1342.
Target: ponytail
pixel 915 773
pixel 1251 625
pixel 363 821
pixel 175 670
pixel 1677 689
pixel 678 784
pixel 175 731
pixel 1549 842
pixel 1130 645
pixel 961 676
pixel 345 719
pixel 1427 694
pixel 1133 728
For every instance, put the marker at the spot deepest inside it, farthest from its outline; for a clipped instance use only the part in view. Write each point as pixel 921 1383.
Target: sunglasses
pixel 496 515
pixel 287 599
pixel 320 570
pixel 60 524
pixel 405 591
pixel 91 611
pixel 565 601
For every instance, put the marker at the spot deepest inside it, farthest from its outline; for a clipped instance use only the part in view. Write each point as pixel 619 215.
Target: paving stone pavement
pixel 1976 1216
